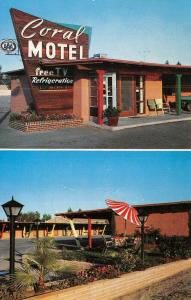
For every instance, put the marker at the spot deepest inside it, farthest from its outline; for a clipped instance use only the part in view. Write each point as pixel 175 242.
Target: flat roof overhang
pixel 168 207
pixel 101 63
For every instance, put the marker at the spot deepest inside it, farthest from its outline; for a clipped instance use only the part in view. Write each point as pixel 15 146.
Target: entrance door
pixel 140 103
pixel 127 96
pixel 109 90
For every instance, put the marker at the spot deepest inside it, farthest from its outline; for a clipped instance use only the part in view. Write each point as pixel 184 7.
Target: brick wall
pixel 45 125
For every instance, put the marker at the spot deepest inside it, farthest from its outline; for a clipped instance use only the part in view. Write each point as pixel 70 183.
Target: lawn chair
pixel 108 244
pixel 162 106
pixel 152 105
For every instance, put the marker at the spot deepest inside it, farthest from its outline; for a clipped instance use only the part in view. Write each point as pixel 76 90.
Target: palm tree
pixel 37 267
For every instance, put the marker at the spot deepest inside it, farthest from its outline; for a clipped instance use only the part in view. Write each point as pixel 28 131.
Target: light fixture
pixel 12 208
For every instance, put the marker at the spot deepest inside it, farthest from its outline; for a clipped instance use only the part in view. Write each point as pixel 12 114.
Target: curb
pixel 4 116
pixel 106 127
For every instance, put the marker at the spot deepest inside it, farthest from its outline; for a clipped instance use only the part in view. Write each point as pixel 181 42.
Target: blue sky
pixel 53 181
pixel 150 30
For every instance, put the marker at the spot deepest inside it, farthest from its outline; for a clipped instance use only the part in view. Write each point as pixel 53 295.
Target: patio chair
pixel 162 106
pixel 152 105
pixel 108 244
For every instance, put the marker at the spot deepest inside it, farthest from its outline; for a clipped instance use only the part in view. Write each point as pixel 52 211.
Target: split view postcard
pixel 95 160
pixel 95 74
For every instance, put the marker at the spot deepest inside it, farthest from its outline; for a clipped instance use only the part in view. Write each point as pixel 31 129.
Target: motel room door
pixel 127 91
pixel 109 90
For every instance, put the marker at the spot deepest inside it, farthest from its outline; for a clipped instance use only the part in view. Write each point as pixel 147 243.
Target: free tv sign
pixel 42 39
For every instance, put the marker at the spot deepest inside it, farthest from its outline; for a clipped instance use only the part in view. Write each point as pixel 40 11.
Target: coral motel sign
pixel 59 77
pixel 51 47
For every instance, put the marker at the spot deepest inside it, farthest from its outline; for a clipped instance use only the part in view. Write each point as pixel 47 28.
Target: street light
pixel 142 218
pixel 37 223
pixel 12 210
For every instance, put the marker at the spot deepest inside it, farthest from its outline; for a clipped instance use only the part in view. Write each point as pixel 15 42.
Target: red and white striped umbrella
pixel 124 210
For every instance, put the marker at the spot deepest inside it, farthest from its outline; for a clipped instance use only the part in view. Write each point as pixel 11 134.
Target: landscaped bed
pixel 30 122
pixel 69 268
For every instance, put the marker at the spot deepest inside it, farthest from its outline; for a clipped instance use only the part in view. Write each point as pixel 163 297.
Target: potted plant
pixel 112 114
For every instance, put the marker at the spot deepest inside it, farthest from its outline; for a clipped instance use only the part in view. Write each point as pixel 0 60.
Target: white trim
pixel 114 90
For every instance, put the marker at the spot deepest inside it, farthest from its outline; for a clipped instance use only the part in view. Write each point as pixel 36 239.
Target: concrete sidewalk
pixel 125 286
pixel 133 122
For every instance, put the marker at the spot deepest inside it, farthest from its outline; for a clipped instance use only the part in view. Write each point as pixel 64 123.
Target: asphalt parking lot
pixel 164 136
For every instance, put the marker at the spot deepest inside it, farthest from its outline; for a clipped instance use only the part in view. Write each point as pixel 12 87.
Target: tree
pixel 70 210
pixel 167 62
pixel 46 217
pixel 37 266
pixel 29 216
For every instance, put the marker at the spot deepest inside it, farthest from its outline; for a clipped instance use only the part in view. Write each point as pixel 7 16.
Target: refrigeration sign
pixel 53 78
pixel 51 81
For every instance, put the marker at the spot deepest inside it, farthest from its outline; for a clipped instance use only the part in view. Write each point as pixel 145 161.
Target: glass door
pixel 140 95
pixel 109 90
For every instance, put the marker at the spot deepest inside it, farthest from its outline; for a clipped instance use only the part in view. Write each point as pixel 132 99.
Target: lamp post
pixel 12 210
pixel 142 218
pixel 37 223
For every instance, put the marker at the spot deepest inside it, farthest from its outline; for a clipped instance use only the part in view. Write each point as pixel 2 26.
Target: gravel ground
pixel 175 288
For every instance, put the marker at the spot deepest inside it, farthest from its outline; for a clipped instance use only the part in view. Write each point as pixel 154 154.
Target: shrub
pixel 111 112
pixel 127 261
pixel 33 117
pixel 151 235
pixel 99 272
pixel 174 246
pixel 7 291
pixel 93 274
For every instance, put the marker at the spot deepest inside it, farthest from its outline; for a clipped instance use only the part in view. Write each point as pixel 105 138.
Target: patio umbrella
pixel 124 210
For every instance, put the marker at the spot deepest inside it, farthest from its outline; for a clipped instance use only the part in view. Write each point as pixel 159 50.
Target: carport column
pixel 100 96
pixel 89 233
pixel 178 94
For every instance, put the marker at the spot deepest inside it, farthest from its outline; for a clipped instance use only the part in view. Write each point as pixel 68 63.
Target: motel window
pixel 169 85
pixel 93 91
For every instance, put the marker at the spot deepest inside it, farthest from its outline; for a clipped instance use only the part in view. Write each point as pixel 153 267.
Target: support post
pixel 178 94
pixel 12 245
pixel 89 233
pixel 142 242
pixel 100 74
pixel 113 224
pixel 37 232
pixel 125 231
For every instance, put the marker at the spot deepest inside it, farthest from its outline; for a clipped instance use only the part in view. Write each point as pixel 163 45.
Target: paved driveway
pixel 163 136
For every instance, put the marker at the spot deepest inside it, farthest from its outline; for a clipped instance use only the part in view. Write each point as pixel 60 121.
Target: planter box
pixel 124 287
pixel 45 125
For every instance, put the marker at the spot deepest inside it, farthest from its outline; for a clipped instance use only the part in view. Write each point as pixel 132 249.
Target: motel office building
pixel 64 80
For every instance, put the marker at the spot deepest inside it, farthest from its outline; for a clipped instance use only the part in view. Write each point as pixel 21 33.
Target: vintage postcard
pixel 95 160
